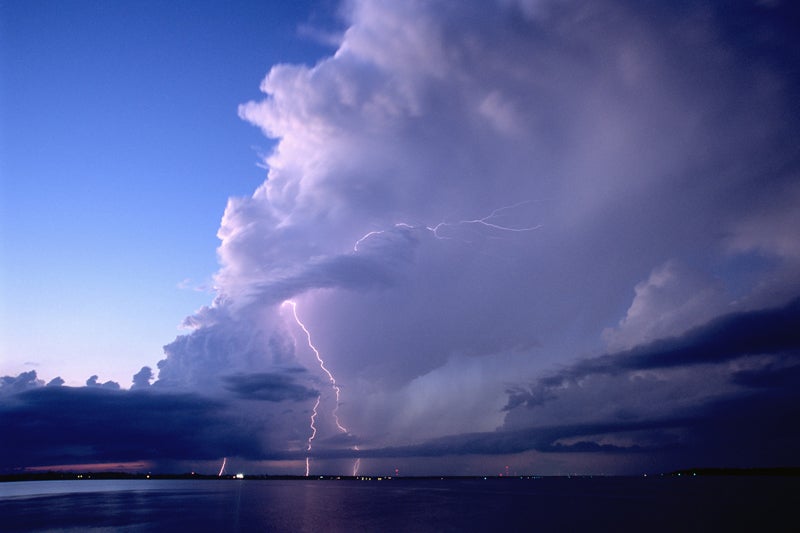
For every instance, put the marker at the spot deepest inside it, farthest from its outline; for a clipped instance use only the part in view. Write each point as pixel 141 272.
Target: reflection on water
pixel 621 504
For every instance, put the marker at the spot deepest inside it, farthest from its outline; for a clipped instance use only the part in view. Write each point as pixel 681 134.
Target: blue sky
pixel 444 237
pixel 120 146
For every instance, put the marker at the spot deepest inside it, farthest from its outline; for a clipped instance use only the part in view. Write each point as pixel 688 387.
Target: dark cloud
pixel 378 269
pixel 542 439
pixel 94 424
pixel 55 382
pixel 268 387
pixel 531 397
pixel 781 374
pixel 652 146
pixel 64 425
pixel 766 340
pixel 722 393
pixel 728 337
pixel 142 379
pixel 748 429
pixel 92 382
pixel 741 430
pixel 24 381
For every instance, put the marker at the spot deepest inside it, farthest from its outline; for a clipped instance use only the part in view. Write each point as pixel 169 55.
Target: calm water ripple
pixel 547 504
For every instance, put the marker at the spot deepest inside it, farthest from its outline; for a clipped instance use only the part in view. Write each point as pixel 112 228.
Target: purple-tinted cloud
pixel 22 382
pixel 142 379
pixel 753 333
pixel 637 140
pixel 470 203
pixel 93 382
pixel 268 387
pixel 64 425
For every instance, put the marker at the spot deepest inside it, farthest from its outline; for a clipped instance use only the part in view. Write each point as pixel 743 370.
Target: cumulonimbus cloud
pixel 652 147
pixel 618 130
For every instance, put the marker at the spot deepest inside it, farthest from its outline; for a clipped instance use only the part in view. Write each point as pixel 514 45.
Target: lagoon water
pixel 542 504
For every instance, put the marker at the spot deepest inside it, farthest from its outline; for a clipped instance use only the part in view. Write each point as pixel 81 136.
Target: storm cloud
pixel 512 227
pixel 65 425
pixel 267 387
pixel 753 333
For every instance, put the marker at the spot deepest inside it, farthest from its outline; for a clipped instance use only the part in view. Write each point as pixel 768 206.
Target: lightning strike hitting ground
pixel 332 380
pixel 222 468
pixel 313 434
pixel 489 221
pixel 357 463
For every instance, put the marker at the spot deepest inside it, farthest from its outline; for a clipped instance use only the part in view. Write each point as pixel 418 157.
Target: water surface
pixel 544 504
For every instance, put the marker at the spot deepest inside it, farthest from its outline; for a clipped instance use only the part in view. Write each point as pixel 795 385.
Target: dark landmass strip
pixel 776 471
pixel 51 476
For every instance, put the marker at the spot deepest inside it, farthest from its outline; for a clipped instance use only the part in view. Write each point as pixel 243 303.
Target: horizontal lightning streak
pixel 486 221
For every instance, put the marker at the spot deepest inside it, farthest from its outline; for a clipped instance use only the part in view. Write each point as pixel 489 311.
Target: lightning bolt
pixel 357 463
pixel 332 381
pixel 313 434
pixel 365 237
pixel 485 221
pixel 222 468
pixel 489 221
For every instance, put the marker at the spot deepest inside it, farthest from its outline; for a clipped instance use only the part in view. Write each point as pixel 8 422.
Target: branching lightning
pixel 222 468
pixel 334 386
pixel 489 221
pixel 332 380
pixel 485 221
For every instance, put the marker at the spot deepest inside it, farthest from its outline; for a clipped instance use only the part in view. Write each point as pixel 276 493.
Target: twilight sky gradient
pixel 558 235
